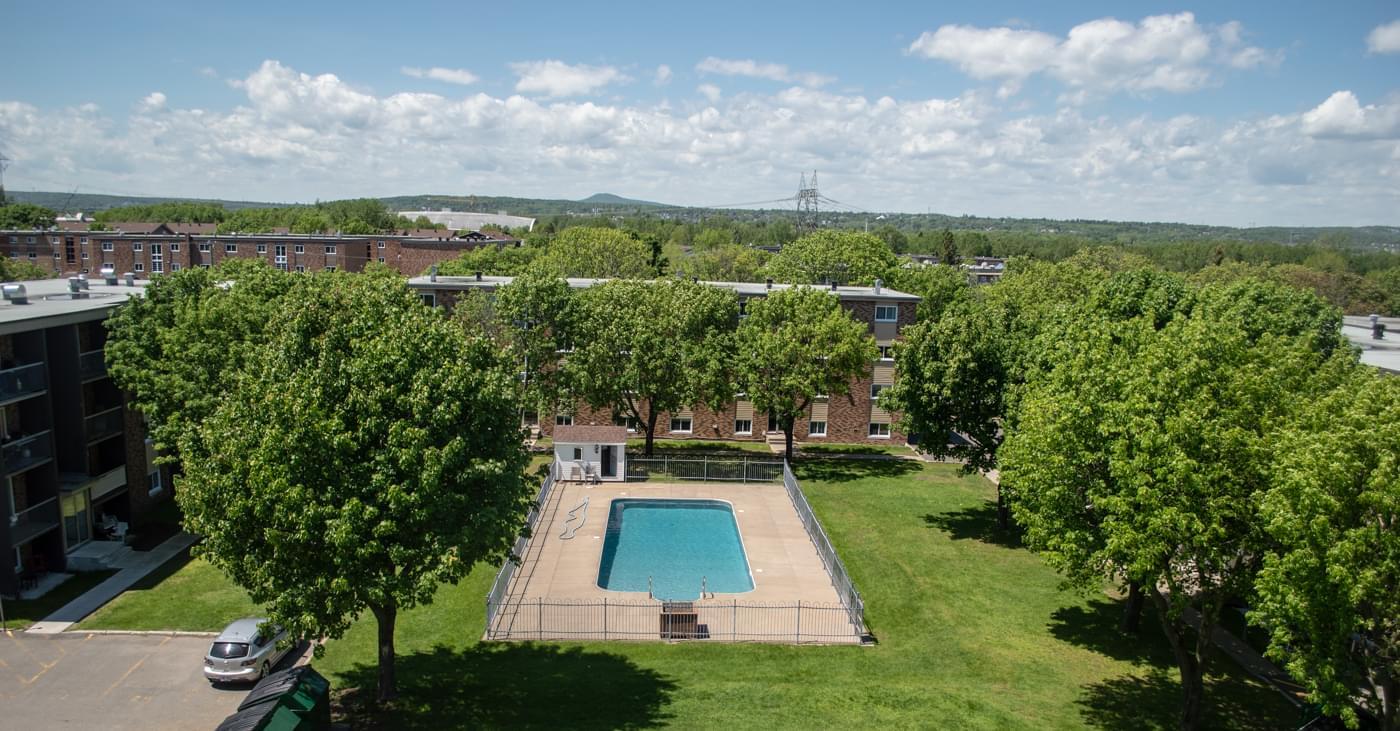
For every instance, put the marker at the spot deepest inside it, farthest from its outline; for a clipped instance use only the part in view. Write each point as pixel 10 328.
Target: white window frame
pixel 138 267
pixel 138 246
pixel 381 260
pixel 206 248
pixel 381 244
pixel 886 352
pixel 737 430
pixel 330 249
pixel 230 248
pixel 891 310
pixel 174 266
pixel 330 268
pixel 876 429
pixel 677 420
pixel 299 249
pixel 174 247
pixel 812 429
pixel 875 389
pixel 155 484
pixel 262 248
pixel 84 254
pixel 107 246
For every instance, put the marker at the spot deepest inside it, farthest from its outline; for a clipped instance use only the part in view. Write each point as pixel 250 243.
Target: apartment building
pixel 153 248
pixel 855 417
pixel 75 460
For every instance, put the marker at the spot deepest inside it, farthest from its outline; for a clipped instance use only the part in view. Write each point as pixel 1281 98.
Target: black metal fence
pixel 718 620
pixel 712 468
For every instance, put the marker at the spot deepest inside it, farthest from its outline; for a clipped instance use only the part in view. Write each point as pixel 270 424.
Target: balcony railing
pixel 25 452
pixel 22 381
pixel 92 365
pixel 34 521
pixel 105 424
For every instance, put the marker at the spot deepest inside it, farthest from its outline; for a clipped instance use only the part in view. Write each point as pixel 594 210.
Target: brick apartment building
pixel 851 418
pixel 153 248
pixel 77 467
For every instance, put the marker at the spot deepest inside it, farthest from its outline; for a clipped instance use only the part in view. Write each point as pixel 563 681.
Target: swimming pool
pixel 675 544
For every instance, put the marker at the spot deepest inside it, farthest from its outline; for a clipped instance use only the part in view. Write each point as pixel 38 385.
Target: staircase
pixel 100 556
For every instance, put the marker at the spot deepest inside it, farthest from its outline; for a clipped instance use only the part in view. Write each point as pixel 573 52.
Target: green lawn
pixel 184 594
pixel 973 633
pixel 19 614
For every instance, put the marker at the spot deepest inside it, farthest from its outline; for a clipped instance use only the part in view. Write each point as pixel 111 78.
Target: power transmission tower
pixel 4 163
pixel 807 215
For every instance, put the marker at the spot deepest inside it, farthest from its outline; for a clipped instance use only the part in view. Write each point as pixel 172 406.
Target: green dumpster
pixel 297 699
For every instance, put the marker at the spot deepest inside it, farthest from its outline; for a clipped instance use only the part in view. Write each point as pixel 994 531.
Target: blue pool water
pixel 675 543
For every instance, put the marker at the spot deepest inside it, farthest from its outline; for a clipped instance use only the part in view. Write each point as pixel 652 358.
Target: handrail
pixel 17 517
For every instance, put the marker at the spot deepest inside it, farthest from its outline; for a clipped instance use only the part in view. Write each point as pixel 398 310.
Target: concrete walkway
pixel 137 567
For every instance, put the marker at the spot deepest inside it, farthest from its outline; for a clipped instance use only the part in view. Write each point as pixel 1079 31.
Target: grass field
pixel 973 633
pixel 184 594
pixel 19 614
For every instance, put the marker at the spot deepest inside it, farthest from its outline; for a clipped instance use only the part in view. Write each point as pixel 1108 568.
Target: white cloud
pixel 557 79
pixel 710 91
pixel 663 75
pixel 1384 38
pixel 208 72
pixel 299 136
pixel 1342 116
pixel 153 101
pixel 438 73
pixel 757 70
pixel 1170 53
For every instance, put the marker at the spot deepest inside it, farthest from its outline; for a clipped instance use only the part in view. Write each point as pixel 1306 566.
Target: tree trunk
pixel 384 615
pixel 1187 663
pixel 1132 611
pixel 1003 514
pixel 1387 691
pixel 787 440
pixel 651 430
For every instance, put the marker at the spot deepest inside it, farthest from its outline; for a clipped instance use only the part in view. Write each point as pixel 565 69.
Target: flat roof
pixel 1384 353
pixel 744 289
pixel 50 303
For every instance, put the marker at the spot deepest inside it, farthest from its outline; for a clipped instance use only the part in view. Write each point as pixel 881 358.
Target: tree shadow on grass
pixel 1150 698
pixel 509 686
pixel 847 470
pixel 975 523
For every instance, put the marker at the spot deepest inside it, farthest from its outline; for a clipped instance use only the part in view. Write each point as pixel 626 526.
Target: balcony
pixel 34 521
pixel 25 452
pixel 22 382
pixel 104 424
pixel 92 365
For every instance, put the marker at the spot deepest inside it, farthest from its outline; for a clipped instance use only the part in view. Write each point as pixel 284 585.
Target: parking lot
pixel 82 680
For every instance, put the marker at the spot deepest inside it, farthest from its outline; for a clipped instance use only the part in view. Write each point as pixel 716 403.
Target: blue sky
pixel 1280 113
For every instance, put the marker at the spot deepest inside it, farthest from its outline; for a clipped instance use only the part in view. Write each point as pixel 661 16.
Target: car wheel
pixel 262 672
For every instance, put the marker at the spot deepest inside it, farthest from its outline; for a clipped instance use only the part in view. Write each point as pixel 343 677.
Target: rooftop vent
pixel 109 275
pixel 478 276
pixel 833 285
pixel 767 284
pixel 130 279
pixel 432 273
pixel 15 293
pixel 878 284
pixel 75 288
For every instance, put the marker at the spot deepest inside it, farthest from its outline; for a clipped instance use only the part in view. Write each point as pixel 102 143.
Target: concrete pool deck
pixel 559 573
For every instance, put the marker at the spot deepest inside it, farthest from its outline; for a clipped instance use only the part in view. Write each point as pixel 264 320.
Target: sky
pixel 1235 113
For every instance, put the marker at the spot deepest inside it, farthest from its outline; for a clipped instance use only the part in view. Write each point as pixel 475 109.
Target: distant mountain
pixel 608 199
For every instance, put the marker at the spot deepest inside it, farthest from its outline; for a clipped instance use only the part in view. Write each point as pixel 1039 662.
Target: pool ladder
pixel 704 589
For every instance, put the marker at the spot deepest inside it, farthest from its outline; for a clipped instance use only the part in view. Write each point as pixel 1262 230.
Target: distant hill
pixel 608 199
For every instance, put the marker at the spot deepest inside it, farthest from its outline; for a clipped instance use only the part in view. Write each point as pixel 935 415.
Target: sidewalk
pixel 135 570
pixel 1245 656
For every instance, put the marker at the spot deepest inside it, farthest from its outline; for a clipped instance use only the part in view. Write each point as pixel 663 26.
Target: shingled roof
pixel 590 434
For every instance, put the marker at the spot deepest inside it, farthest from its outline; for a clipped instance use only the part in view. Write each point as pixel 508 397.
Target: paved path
pixel 136 568
pixel 1245 656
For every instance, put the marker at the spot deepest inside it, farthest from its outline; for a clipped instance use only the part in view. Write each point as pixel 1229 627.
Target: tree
pixel 598 253
pixel 948 250
pixel 1142 458
pixel 20 270
pixel 1327 592
pixel 833 256
pixel 25 216
pixel 368 454
pixel 505 261
pixel 646 347
pixel 177 348
pixel 537 312
pixel 795 345
pixel 726 263
pixel 897 240
pixel 939 287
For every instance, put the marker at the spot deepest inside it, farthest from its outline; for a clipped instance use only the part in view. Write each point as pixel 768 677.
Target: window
pixel 138 267
pixel 301 268
pixel 28 239
pixel 743 426
pixel 84 255
pixel 138 246
pixel 875 389
pixel 886 313
pixel 262 248
pixel 381 260
pixel 880 431
pixel 83 241
pixel 381 244
pixel 157 258
pixel 816 428
pixel 330 269
pixel 331 249
pixel 154 486
pixel 230 248
pixel 886 352
pixel 174 247
pixel 279 254
pixel 31 255
pixel 106 246
pixel 680 424
pixel 174 266
pixel 743 308
pixel 428 298
pixel 563 419
pixel 204 248
pixel 578 453
pixel 633 425
pixel 299 249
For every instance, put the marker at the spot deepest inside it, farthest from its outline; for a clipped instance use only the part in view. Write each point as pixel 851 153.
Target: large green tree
pixel 177 348
pixel 795 345
pixel 369 452
pixel 25 216
pixel 589 252
pixel 641 348
pixel 1329 592
pixel 537 309
pixel 846 257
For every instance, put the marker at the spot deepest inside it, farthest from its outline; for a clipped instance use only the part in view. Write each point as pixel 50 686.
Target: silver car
pixel 243 653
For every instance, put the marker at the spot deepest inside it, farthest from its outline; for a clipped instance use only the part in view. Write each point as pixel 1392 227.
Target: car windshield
pixel 228 649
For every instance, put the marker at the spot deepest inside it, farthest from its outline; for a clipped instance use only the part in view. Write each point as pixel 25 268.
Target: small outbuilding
pixel 591 453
